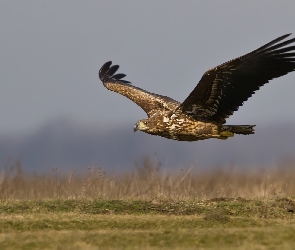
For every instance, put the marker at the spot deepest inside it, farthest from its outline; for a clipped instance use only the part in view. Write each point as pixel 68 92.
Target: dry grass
pixel 149 181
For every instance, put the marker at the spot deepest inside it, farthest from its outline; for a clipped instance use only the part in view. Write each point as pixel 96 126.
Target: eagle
pixel 219 93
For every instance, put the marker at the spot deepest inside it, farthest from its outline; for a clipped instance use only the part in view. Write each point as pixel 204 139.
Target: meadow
pixel 148 208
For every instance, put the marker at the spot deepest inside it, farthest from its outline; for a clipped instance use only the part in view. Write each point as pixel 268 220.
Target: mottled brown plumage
pixel 220 92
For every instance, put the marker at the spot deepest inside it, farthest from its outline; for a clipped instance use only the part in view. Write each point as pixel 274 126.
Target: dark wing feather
pixel 222 90
pixel 149 102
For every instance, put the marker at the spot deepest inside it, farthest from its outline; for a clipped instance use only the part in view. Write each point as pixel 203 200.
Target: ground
pixel 148 208
pixel 159 224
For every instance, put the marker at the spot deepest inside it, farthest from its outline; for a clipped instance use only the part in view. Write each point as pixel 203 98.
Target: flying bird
pixel 219 93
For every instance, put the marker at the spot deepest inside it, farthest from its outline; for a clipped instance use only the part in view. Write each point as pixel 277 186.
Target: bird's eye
pixel 145 123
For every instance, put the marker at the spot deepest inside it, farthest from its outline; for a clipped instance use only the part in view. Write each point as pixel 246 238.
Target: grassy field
pixel 96 224
pixel 148 208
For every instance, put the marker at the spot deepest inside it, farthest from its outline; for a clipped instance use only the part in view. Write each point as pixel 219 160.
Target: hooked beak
pixel 135 127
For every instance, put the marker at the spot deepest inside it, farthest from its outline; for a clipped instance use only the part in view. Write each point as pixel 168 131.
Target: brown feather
pixel 222 90
pixel 151 103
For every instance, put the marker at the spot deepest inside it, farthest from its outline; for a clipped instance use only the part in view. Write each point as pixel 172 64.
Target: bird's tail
pixel 230 130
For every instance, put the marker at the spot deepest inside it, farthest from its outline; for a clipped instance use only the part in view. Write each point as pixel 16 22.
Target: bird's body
pixel 220 92
pixel 178 127
pixel 184 128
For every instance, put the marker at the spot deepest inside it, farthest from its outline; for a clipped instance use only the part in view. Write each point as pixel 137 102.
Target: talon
pixel 227 134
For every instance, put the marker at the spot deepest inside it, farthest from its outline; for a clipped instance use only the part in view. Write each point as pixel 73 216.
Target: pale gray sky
pixel 51 51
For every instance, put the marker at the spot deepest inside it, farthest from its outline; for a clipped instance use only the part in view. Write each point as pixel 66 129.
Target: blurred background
pixel 55 112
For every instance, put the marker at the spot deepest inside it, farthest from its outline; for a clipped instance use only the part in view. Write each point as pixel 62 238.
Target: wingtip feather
pixel 108 70
pixel 104 69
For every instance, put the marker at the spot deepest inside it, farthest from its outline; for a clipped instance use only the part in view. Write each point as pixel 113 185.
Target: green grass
pixel 156 224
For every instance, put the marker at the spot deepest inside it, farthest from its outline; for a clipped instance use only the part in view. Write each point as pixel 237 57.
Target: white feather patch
pixel 172 127
pixel 165 119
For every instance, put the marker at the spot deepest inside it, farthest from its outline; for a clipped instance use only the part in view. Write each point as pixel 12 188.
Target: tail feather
pixel 239 129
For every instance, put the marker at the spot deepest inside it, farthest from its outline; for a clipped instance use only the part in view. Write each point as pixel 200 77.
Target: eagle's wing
pixel 149 102
pixel 223 89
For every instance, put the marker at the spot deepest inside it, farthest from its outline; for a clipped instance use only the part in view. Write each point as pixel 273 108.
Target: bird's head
pixel 142 125
pixel 151 126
